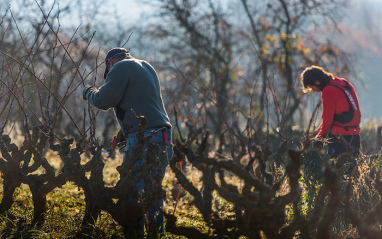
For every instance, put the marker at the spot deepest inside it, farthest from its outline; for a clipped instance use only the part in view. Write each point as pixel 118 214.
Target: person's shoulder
pixel 122 68
pixel 126 61
pixel 340 81
pixel 330 90
pixel 336 82
pixel 346 82
pixel 131 62
pixel 125 64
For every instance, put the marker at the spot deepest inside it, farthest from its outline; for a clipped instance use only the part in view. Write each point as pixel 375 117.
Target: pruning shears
pixel 114 144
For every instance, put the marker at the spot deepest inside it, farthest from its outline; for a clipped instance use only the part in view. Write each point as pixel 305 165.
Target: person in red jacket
pixel 341 115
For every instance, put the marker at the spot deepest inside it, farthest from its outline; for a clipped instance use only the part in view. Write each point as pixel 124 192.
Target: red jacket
pixel 335 102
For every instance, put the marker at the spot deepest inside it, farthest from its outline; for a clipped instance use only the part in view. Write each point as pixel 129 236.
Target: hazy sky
pixel 132 9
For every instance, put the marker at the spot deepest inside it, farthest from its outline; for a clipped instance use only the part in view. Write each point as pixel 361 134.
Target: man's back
pixel 132 84
pixel 142 94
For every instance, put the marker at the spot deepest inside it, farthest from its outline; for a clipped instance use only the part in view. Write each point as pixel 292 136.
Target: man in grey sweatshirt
pixel 131 83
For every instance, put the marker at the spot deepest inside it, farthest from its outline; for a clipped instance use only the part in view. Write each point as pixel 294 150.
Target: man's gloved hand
pixel 85 90
pixel 120 136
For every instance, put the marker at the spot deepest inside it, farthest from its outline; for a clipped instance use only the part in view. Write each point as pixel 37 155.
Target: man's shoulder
pixel 132 63
pixel 128 61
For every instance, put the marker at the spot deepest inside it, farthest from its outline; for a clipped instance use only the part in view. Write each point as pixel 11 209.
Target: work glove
pixel 85 90
pixel 120 136
pixel 318 144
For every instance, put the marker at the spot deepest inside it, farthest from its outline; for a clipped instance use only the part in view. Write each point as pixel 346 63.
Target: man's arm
pixel 111 93
pixel 328 110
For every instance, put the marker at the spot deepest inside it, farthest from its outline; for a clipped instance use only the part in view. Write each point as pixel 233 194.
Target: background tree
pixel 45 61
pixel 283 32
pixel 234 66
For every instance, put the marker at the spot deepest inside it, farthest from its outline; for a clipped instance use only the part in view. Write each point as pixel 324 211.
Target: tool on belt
pixel 120 141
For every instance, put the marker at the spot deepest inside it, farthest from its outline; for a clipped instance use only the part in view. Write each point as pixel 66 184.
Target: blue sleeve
pixel 111 93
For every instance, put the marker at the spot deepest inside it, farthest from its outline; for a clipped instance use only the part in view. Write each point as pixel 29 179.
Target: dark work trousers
pixel 336 147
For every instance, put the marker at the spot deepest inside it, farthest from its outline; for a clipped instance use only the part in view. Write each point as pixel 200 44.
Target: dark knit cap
pixel 110 54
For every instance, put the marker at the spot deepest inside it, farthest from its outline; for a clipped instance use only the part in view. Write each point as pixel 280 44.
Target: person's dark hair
pixel 315 76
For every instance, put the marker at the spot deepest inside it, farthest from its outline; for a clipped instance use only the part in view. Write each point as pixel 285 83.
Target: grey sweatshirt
pixel 131 84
